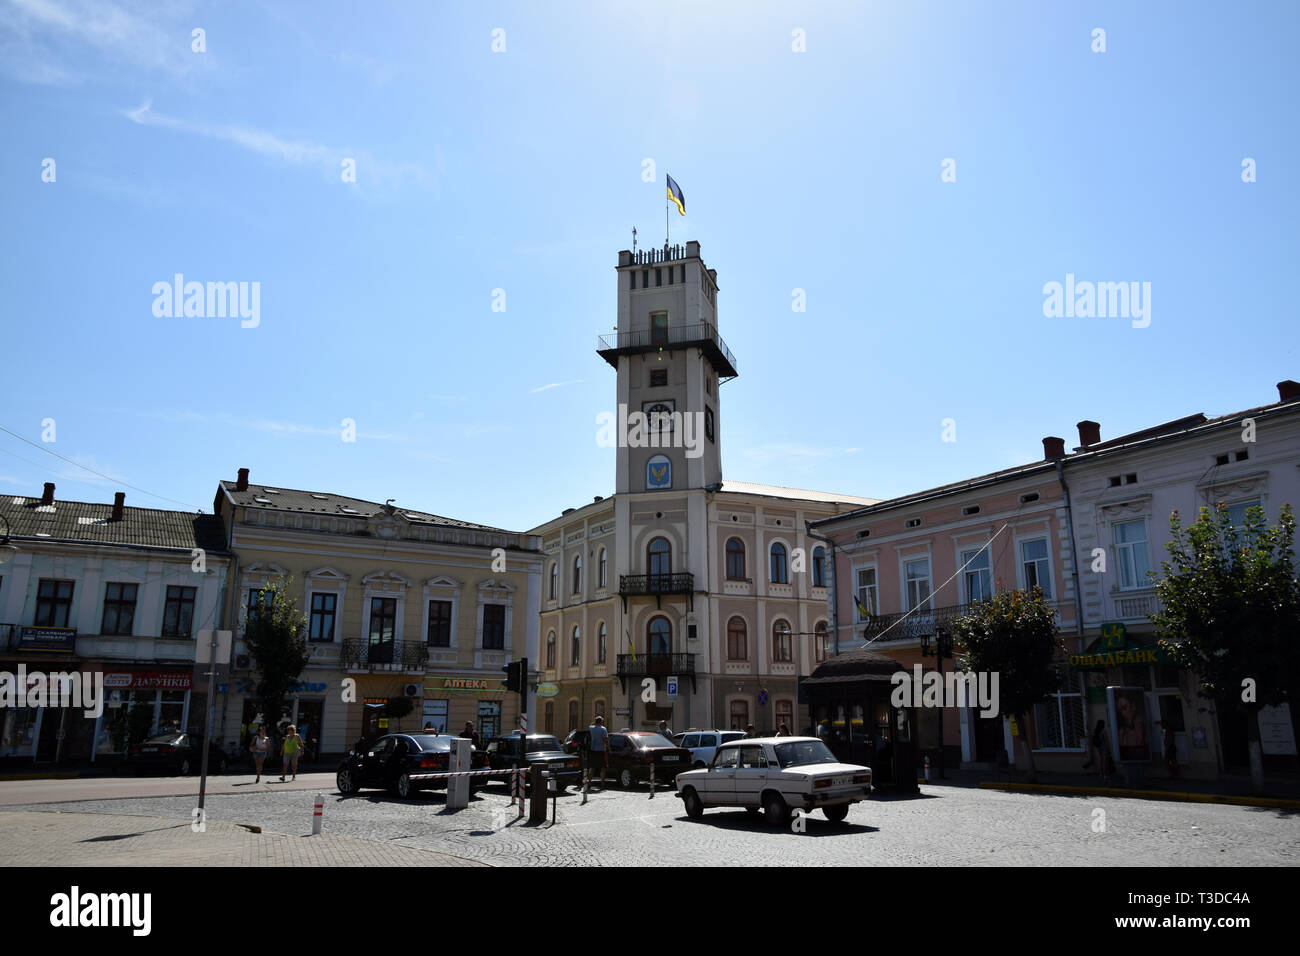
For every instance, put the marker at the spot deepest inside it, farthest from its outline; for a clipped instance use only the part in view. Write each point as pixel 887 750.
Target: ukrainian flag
pixel 675 195
pixel 863 611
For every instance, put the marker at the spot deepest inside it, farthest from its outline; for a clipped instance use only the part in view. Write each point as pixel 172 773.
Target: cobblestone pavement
pixel 93 839
pixel 946 826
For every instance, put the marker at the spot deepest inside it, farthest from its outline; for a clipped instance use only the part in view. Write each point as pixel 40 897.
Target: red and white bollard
pixel 519 788
pixel 317 813
pixel 652 779
pixel 927 769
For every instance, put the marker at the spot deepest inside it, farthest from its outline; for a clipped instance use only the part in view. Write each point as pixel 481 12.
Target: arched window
pixel 819 567
pixel 735 559
pixel 822 641
pixel 782 645
pixel 598 709
pixel 659 558
pixel 555 580
pixel 779 574
pixel 575 653
pixel 577 574
pixel 737 643
pixel 573 715
pixel 604 578
pixel 550 650
pixel 660 634
pixel 601 644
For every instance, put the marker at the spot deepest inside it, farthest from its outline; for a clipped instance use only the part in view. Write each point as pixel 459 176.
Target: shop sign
pixel 470 683
pixel 149 680
pixel 1114 649
pixel 1275 736
pixel 48 640
pixel 383 723
pixel 548 690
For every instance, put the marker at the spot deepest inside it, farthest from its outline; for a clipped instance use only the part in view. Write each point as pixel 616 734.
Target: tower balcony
pixel 679 582
pixel 702 336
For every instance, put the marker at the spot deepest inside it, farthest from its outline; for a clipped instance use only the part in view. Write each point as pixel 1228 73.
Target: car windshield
pixel 650 740
pixel 431 742
pixel 542 744
pixel 170 738
pixel 797 753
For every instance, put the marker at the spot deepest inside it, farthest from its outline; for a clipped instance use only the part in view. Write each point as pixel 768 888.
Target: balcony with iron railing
pixel 386 656
pixel 701 335
pixel 924 622
pixel 636 666
pixel 635 585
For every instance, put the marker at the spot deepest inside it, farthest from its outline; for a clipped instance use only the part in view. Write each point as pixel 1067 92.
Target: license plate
pixel 671 759
pixel 149 750
pixel 841 781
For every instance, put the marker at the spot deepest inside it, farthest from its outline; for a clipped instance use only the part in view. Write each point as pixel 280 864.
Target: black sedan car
pixel 174 752
pixel 389 762
pixel 631 754
pixel 544 749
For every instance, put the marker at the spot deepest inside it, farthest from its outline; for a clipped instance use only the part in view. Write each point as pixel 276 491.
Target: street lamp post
pixel 942 648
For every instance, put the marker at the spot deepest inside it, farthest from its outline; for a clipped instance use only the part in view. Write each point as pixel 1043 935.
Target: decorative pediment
pixel 495 584
pixel 443 581
pixel 1138 505
pixel 1238 486
pixel 327 573
pixel 268 569
pixel 385 581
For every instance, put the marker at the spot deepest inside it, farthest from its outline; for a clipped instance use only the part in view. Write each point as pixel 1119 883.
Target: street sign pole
pixel 214 643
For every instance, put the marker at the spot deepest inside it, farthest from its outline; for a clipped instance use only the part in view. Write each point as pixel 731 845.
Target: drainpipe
pixel 1074 548
pixel 834 594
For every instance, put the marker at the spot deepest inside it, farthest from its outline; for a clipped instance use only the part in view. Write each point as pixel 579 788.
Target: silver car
pixel 703 743
pixel 776 775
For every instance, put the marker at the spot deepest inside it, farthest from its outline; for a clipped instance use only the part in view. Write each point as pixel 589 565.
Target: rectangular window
pixel 1131 554
pixel 1038 571
pixel 645 278
pixel 1059 719
pixel 489 719
pixel 659 277
pixel 178 612
pixel 916 574
pixel 781 646
pixel 784 713
pixel 435 713
pixel 53 603
pixel 978 577
pixel 658 377
pixel 440 624
pixel 256 601
pixel 632 275
pixel 383 620
pixel 119 609
pixel 494 627
pixel 323 607
pixel 866 591
pixel 739 714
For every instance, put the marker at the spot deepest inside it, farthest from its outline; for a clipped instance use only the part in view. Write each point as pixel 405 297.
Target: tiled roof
pixel 92 523
pixel 274 498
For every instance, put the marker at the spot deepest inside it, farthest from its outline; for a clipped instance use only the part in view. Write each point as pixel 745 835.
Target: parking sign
pixel 672 688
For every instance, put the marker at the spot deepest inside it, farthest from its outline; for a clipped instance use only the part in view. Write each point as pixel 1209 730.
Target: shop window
pixel 489 719
pixel 1059 720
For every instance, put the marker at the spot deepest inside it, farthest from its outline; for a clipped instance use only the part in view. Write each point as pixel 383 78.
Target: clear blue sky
pixel 521 170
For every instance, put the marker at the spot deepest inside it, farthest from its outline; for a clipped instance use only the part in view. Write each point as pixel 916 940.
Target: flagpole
pixel 665 224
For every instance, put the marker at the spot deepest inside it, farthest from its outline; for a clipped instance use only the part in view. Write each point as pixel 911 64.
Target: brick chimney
pixel 1288 391
pixel 1089 433
pixel 47 496
pixel 119 504
pixel 242 483
pixel 1053 448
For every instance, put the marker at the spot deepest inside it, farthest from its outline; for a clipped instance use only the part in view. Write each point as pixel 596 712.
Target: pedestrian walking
pixel 1170 747
pixel 290 750
pixel 469 733
pixel 750 731
pixel 597 749
pixel 259 747
pixel 665 730
pixel 1101 746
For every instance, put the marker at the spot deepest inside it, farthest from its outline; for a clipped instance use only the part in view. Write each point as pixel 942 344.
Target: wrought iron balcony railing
pixel 702 335
pixel 886 627
pixel 389 655
pixel 680 582
pixel 635 666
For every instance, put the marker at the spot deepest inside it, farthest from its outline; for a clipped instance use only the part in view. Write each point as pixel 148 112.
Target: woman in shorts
pixel 290 750
pixel 259 747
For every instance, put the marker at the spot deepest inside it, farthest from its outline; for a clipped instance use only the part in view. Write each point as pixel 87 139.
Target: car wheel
pixel 625 778
pixel 347 783
pixel 185 767
pixel 752 811
pixel 775 810
pixel 837 813
pixel 404 786
pixel 694 805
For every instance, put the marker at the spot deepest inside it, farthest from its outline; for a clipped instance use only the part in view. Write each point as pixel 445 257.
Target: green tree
pixel 397 708
pixel 1013 635
pixel 1230 612
pixel 275 635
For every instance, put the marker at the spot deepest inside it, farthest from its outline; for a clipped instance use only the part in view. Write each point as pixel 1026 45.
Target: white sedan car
pixel 777 775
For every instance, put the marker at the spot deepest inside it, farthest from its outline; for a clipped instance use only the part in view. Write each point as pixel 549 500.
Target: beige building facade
pixel 398 603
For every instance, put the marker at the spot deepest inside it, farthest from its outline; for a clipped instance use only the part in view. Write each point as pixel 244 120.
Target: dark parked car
pixel 576 742
pixel 546 749
pixel 177 752
pixel 630 756
pixel 389 762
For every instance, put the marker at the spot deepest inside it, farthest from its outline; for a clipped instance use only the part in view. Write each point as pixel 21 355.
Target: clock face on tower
pixel 659 417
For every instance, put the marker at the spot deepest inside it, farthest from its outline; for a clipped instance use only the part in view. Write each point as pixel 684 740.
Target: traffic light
pixel 514 675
